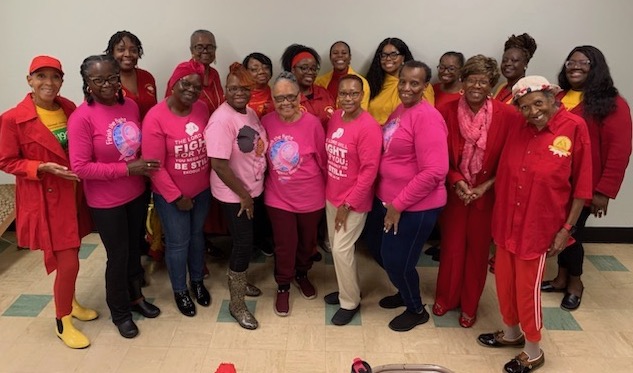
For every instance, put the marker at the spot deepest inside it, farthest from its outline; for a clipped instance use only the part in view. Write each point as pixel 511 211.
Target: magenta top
pixel 178 144
pixel 414 163
pixel 296 163
pixel 353 150
pixel 102 139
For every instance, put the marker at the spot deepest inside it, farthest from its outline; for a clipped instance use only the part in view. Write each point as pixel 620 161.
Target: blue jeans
pixel 184 238
pixel 399 254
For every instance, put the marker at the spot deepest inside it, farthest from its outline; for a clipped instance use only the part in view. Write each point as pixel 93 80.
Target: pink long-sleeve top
pixel 102 139
pixel 414 163
pixel 353 150
pixel 296 163
pixel 177 142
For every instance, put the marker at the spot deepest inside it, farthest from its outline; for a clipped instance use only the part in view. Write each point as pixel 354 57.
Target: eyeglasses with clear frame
pixel 353 95
pixel 570 64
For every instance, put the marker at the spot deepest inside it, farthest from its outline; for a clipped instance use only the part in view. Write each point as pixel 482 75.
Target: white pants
pixel 343 249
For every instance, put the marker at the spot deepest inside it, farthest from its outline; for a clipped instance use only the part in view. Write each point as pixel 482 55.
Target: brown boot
pixel 237 306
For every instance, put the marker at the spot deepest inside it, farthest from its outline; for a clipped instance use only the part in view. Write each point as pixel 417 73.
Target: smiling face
pixel 286 98
pixel 126 53
pixel 448 69
pixel 513 64
pixel 340 56
pixel 46 83
pixel 103 82
pixel 537 108
pixel 411 85
pixel 476 87
pixel 203 48
pixel 578 71
pixel 188 89
pixel 306 71
pixel 261 73
pixel 237 95
pixel 350 95
pixel 391 60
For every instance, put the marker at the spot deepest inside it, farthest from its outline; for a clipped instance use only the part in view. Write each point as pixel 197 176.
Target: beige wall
pixel 74 29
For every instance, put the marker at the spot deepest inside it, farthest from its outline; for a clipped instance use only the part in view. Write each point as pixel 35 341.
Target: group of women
pixel 363 155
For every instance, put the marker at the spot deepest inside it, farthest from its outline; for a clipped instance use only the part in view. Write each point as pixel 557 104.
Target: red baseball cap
pixel 40 62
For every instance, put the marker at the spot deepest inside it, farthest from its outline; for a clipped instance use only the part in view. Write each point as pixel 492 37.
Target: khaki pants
pixel 343 249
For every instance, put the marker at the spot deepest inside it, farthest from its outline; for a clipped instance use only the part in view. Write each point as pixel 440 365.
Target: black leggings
pixel 573 256
pixel 244 232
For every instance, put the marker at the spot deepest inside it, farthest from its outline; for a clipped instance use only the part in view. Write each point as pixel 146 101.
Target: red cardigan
pixel 610 146
pixel 51 214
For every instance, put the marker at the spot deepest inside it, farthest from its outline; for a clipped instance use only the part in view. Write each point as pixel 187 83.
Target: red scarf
pixel 261 101
pixel 474 129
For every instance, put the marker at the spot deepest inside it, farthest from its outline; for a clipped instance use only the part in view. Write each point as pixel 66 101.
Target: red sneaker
pixel 282 303
pixel 306 288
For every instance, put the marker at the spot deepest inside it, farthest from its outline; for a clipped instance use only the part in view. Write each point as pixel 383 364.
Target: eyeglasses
pixel 480 82
pixel 450 69
pixel 260 68
pixel 575 64
pixel 186 85
pixel 306 69
pixel 282 98
pixel 112 79
pixel 391 56
pixel 238 89
pixel 353 95
pixel 204 47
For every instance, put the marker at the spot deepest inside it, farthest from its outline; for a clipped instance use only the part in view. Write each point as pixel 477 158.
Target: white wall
pixel 73 29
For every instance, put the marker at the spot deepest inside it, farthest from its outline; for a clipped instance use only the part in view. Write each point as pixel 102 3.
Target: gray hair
pixel 288 76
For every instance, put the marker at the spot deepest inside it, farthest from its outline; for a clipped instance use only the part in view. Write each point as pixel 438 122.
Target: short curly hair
pixel 480 64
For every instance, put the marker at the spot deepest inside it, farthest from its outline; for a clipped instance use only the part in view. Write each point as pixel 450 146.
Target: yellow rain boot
pixel 81 313
pixel 67 332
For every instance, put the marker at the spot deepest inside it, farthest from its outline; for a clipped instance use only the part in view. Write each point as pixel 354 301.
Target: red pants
pixel 65 277
pixel 466 239
pixel 519 291
pixel 295 236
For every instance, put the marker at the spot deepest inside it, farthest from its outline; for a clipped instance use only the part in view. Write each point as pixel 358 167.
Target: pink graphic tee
pixel 296 162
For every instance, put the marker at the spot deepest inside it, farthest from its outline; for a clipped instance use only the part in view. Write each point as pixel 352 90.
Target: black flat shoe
pixel 331 298
pixel 343 316
pixel 496 340
pixel 128 329
pixel 570 301
pixel 521 364
pixel 391 301
pixel 184 303
pixel 146 309
pixel 408 320
pixel 547 287
pixel 200 293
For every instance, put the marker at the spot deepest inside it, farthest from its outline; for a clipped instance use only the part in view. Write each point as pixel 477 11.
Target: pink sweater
pixel 353 150
pixel 178 143
pixel 101 141
pixel 296 163
pixel 415 159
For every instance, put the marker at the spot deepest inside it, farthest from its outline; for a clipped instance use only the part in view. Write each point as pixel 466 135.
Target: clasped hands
pixel 468 194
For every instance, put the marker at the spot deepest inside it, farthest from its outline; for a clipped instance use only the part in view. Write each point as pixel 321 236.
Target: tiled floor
pixel 596 337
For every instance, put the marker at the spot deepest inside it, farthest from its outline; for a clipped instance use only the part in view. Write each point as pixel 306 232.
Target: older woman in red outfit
pixel 34 148
pixel 590 93
pixel 477 128
pixel 543 180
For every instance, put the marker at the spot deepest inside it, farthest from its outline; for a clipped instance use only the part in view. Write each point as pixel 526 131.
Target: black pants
pixel 120 231
pixel 573 256
pixel 244 232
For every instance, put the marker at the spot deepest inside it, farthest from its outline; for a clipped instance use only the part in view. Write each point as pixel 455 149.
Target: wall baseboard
pixel 608 235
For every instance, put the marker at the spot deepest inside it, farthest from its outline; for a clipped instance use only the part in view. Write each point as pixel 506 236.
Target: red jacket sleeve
pixel 11 159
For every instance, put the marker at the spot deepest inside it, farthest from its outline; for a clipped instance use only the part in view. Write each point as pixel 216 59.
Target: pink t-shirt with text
pixel 242 140
pixel 414 163
pixel 178 144
pixel 296 163
pixel 102 139
pixel 353 150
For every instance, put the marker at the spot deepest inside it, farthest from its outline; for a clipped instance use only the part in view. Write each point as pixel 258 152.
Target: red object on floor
pixel 226 368
pixel 360 366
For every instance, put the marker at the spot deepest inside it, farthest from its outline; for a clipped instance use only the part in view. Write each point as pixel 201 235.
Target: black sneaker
pixel 343 316
pixel 391 301
pixel 331 298
pixel 408 320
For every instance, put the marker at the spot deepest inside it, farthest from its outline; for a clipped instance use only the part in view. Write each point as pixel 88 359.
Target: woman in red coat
pixel 33 147
pixel 477 128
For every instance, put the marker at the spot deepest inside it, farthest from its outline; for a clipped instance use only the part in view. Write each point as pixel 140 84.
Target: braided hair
pixel 118 37
pixel 83 70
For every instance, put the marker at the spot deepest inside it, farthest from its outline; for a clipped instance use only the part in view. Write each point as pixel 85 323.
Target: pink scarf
pixel 474 129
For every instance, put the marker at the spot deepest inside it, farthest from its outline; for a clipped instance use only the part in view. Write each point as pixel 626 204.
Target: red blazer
pixel 320 105
pixel 503 116
pixel 610 146
pixel 47 207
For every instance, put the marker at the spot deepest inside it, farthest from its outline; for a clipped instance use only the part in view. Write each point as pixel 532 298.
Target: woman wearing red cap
pixel 34 148
pixel 173 134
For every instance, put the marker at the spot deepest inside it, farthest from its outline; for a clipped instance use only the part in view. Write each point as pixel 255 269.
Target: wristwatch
pixel 570 228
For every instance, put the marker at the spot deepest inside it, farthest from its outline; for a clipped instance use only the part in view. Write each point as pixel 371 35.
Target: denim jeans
pixel 184 238
pixel 399 254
